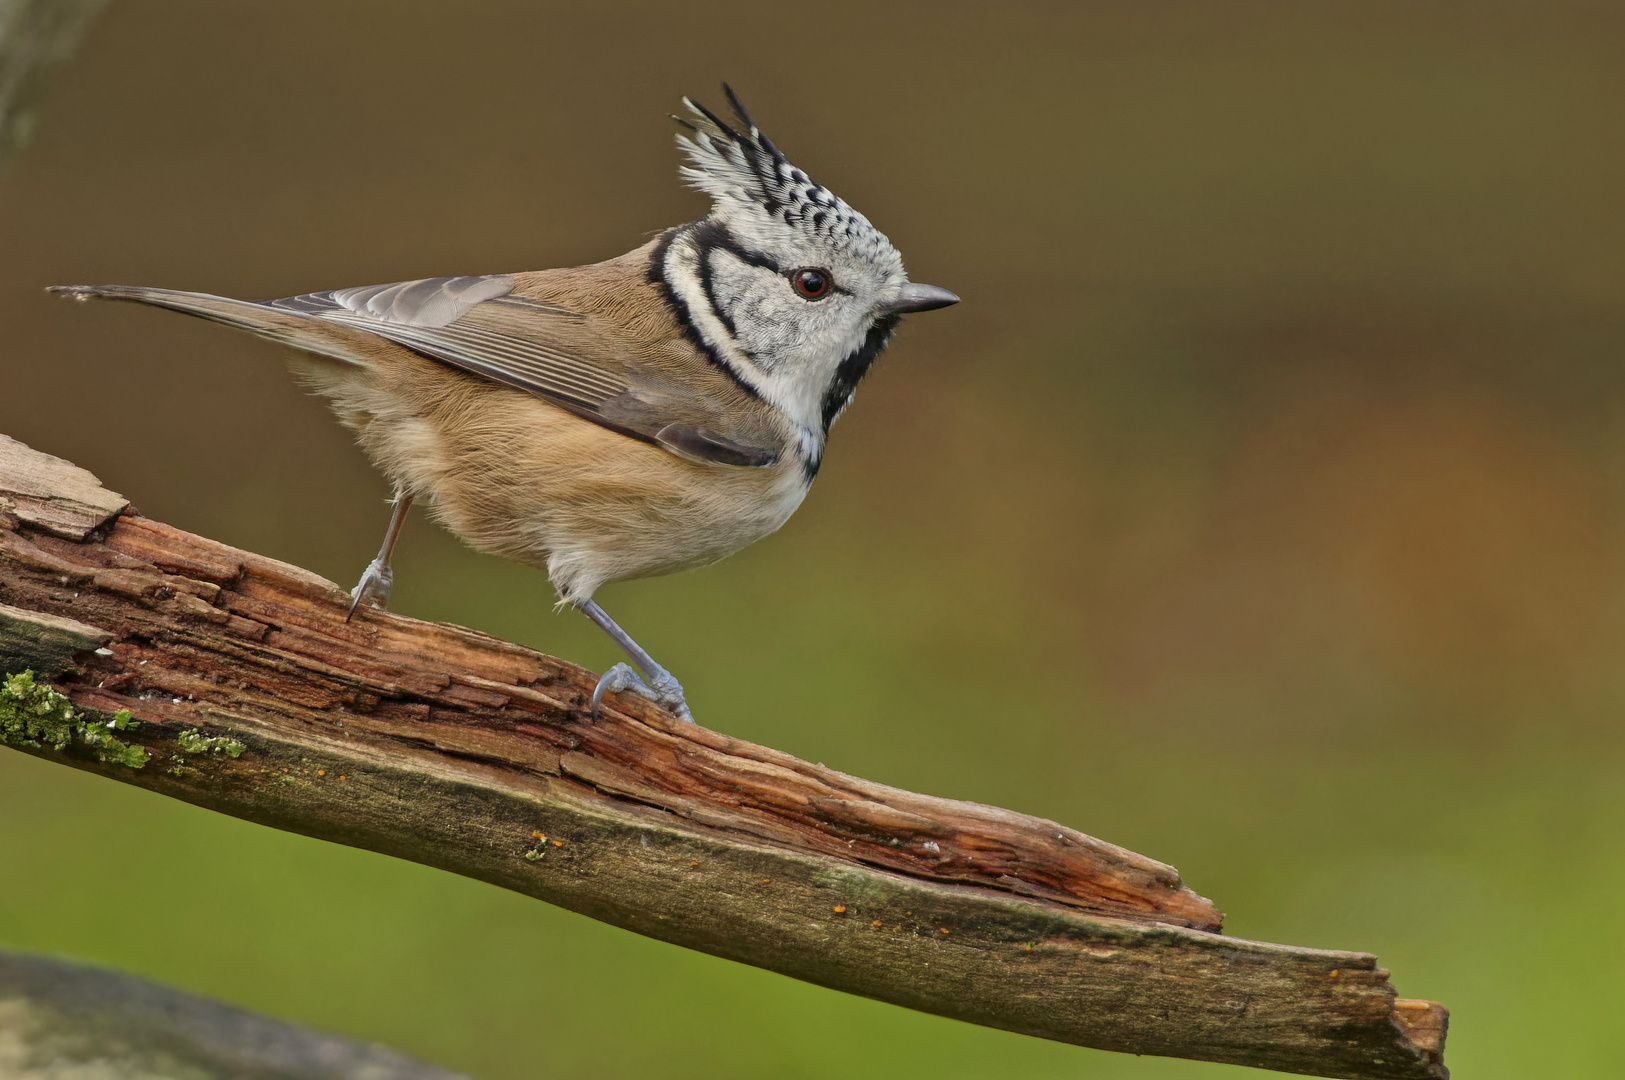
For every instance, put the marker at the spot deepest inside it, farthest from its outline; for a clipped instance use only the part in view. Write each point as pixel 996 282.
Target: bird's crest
pixel 743 169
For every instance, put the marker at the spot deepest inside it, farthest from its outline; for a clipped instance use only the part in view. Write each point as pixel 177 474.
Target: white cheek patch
pixel 783 347
pixel 683 276
pixel 771 324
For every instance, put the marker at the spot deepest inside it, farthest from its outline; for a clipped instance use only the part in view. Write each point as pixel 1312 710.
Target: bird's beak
pixel 915 297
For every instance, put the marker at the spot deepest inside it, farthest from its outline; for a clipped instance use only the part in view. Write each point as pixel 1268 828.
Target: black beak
pixel 919 298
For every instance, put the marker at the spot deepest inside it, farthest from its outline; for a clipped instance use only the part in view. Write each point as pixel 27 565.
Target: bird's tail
pixel 261 318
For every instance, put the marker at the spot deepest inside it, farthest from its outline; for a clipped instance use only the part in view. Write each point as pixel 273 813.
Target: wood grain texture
pixel 54 495
pixel 454 749
pixel 41 643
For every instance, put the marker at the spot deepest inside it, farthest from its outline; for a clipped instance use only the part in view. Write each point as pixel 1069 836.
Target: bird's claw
pixel 373 587
pixel 666 692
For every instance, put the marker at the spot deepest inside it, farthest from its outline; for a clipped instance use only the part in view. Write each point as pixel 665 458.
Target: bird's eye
pixel 812 284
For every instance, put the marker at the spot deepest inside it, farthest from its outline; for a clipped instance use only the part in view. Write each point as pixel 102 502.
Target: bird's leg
pixel 656 683
pixel 378 577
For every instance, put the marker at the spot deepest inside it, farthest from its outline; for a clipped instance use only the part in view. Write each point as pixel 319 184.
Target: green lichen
pixel 194 743
pixel 109 749
pixel 36 716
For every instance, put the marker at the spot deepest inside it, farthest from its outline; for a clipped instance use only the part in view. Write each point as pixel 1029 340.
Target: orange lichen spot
pixel 321 772
pixel 876 924
pixel 840 909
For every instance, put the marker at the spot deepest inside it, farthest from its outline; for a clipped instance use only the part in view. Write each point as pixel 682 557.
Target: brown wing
pixel 524 343
pixel 577 362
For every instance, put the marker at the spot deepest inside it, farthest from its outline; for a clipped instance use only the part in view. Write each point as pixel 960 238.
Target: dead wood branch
pixel 250 694
pixel 64 1020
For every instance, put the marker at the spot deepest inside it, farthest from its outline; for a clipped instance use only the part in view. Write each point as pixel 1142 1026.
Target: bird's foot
pixel 373 588
pixel 663 689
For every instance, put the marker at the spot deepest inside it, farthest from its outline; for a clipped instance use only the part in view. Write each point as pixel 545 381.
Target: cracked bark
pixel 451 748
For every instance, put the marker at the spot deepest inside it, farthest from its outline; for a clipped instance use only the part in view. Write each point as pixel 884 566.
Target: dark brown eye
pixel 813 284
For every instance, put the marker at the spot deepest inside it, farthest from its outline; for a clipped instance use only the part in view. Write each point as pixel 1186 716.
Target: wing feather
pixel 522 362
pixel 539 347
pixel 477 325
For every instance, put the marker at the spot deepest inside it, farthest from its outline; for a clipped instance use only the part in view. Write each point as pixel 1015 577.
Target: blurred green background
pixel 1262 508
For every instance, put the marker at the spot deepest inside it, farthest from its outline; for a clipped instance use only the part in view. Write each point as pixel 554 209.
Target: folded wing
pixel 477 325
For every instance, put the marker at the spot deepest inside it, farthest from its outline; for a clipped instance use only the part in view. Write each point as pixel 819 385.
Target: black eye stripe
pixel 712 236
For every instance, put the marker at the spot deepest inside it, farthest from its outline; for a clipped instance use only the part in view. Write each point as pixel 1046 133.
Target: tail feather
pixel 315 336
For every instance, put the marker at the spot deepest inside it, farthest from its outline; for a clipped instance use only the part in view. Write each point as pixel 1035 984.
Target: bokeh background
pixel 1262 508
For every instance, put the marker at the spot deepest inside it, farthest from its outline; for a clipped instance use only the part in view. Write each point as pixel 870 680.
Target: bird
pixel 648 414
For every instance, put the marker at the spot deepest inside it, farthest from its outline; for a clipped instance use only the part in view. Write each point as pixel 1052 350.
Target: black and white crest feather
pixel 741 165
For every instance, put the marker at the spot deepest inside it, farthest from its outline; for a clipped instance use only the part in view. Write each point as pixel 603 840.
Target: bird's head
pixel 783 282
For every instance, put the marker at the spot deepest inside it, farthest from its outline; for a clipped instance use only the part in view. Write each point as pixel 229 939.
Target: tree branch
pixel 232 681
pixel 64 1020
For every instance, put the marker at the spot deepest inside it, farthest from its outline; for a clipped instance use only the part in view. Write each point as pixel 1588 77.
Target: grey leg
pixel 656 683
pixel 377 579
